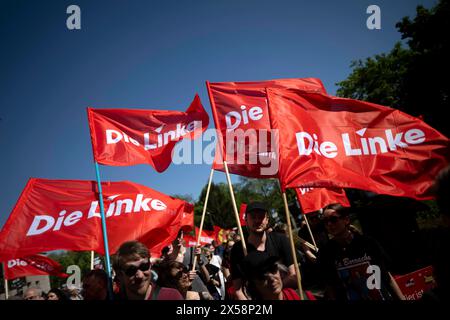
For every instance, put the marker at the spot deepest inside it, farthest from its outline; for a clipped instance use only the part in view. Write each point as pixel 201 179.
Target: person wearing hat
pixel 258 239
pixel 263 277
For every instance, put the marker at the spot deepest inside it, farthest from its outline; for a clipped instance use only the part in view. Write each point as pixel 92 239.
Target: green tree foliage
pixel 67 258
pixel 220 209
pixel 415 78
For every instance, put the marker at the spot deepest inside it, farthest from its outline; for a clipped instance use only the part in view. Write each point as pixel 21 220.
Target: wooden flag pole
pixel 294 254
pixel 203 216
pixel 310 233
pixel 92 260
pixel 236 213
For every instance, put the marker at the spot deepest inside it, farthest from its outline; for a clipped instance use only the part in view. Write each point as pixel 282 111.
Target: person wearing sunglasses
pixel 345 260
pixel 174 274
pixel 133 267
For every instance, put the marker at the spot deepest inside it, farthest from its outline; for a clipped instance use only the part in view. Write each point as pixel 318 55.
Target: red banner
pixel 335 142
pixel 242 214
pixel 206 237
pixel 124 137
pixel 65 214
pixel 33 266
pixel 313 199
pixel 242 121
pixel 187 221
pixel 414 284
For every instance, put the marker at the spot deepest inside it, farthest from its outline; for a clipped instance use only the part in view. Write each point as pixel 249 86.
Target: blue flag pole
pixel 105 235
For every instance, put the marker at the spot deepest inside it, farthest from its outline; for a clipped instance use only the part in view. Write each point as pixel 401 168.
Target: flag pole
pixel 105 235
pixel 236 213
pixel 92 260
pixel 203 216
pixel 6 282
pixel 294 254
pixel 310 233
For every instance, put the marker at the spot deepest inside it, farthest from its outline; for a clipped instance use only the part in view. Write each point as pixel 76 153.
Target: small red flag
pixel 32 266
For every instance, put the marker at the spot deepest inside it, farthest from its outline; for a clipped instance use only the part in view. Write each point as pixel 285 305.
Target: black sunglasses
pixel 131 270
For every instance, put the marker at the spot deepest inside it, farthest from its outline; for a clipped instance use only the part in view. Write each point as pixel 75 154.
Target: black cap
pixel 253 206
pixel 257 263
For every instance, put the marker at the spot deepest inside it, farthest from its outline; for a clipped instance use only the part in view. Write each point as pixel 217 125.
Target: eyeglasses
pixel 35 297
pixel 131 270
pixel 331 219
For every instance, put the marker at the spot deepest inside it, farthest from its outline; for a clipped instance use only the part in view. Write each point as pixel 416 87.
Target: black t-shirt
pixel 345 269
pixel 277 244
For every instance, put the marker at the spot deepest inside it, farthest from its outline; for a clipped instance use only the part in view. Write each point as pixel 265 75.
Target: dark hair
pixel 165 278
pixel 95 285
pixel 130 249
pixel 59 293
pixel 341 210
pixel 442 190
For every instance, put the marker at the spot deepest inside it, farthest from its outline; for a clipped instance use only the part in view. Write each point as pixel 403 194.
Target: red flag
pixel 124 137
pixel 187 221
pixel 189 241
pixel 414 284
pixel 242 121
pixel 206 237
pixel 335 142
pixel 32 266
pixel 242 214
pixel 313 199
pixel 64 214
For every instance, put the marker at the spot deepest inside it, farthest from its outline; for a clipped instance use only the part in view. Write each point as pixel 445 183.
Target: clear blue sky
pixel 156 55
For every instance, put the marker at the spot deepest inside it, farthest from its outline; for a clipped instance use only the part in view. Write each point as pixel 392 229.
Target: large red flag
pixel 242 121
pixel 64 214
pixel 33 265
pixel 124 137
pixel 335 142
pixel 313 199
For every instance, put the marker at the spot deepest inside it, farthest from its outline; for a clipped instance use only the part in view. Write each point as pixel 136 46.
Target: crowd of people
pixel 337 269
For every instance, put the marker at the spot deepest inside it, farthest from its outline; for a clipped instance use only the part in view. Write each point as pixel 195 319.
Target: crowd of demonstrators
pixel 338 269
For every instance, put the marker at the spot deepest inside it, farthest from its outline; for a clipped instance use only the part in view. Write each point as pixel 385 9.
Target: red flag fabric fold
pixel 314 199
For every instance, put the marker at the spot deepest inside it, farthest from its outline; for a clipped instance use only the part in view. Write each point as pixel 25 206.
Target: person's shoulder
pixel 276 236
pixel 169 294
pixel 237 247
